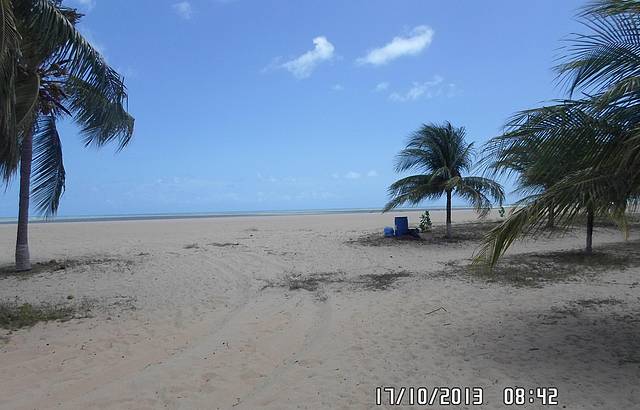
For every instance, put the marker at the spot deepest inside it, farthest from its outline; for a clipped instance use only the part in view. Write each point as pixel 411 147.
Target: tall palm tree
pixel 441 155
pixel 47 71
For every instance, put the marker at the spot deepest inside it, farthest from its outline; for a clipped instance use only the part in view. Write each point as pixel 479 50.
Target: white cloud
pixel 274 180
pixel 427 89
pixel 303 66
pixel 269 178
pixel 354 175
pixel 419 39
pixel 383 86
pixel 337 87
pixel 184 9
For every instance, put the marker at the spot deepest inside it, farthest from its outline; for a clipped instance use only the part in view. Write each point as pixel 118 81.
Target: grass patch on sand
pixel 313 282
pixel 537 269
pixel 14 316
pixel 597 302
pixel 223 244
pixel 382 281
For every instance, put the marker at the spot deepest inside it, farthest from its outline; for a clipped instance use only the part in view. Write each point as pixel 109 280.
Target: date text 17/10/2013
pixel 424 396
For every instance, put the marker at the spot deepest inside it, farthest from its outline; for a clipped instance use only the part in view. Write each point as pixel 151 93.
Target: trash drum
pixel 402 225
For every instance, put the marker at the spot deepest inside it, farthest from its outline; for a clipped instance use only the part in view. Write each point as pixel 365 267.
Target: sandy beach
pixel 311 312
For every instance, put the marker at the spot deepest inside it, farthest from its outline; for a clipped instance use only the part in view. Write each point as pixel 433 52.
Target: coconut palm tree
pixel 602 128
pixel 559 148
pixel 441 155
pixel 48 71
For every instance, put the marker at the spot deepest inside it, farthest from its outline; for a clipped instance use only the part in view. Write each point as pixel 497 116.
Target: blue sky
pixel 285 104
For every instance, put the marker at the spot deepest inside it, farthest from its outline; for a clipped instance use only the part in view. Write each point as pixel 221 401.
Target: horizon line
pixel 217 214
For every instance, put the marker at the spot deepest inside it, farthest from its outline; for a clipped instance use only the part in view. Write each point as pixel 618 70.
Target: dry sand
pixel 311 312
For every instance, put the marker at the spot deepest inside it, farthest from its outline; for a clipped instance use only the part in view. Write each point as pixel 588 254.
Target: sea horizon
pixel 218 214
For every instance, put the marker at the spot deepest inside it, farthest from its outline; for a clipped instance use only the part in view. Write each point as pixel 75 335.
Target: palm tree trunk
pixel 448 214
pixel 589 247
pixel 23 261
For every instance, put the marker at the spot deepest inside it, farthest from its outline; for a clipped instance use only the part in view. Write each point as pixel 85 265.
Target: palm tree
pixel 557 147
pixel 604 178
pixel 47 71
pixel 441 155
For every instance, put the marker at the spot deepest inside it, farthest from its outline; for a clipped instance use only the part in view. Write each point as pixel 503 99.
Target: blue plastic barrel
pixel 402 225
pixel 388 232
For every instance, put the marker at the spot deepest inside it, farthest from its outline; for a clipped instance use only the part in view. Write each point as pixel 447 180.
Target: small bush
pixel 425 222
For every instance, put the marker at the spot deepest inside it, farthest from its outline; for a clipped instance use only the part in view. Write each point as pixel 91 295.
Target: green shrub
pixel 425 222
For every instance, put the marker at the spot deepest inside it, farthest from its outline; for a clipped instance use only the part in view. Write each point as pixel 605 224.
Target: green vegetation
pixel 425 222
pixel 577 159
pixel 15 316
pixel 49 71
pixel 441 155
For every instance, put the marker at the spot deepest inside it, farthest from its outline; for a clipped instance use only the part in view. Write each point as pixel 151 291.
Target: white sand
pixel 210 326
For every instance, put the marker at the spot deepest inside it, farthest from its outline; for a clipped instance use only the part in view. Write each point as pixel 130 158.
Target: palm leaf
pixel 611 7
pixel 413 190
pixel 101 119
pixel 9 51
pixel 48 174
pixel 605 56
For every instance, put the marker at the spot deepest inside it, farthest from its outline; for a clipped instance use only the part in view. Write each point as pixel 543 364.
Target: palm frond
pixel 48 175
pixel 611 7
pixel 477 191
pixel 413 190
pixel 608 54
pixel 411 158
pixel 487 186
pixel 9 51
pixel 101 119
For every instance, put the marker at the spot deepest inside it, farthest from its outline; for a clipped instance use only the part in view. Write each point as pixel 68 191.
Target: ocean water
pixel 193 215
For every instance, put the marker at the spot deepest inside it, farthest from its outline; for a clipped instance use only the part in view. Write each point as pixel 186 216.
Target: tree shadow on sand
pixel 587 342
pixel 537 269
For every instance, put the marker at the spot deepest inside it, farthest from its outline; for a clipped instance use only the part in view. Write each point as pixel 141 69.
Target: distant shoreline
pixel 230 214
